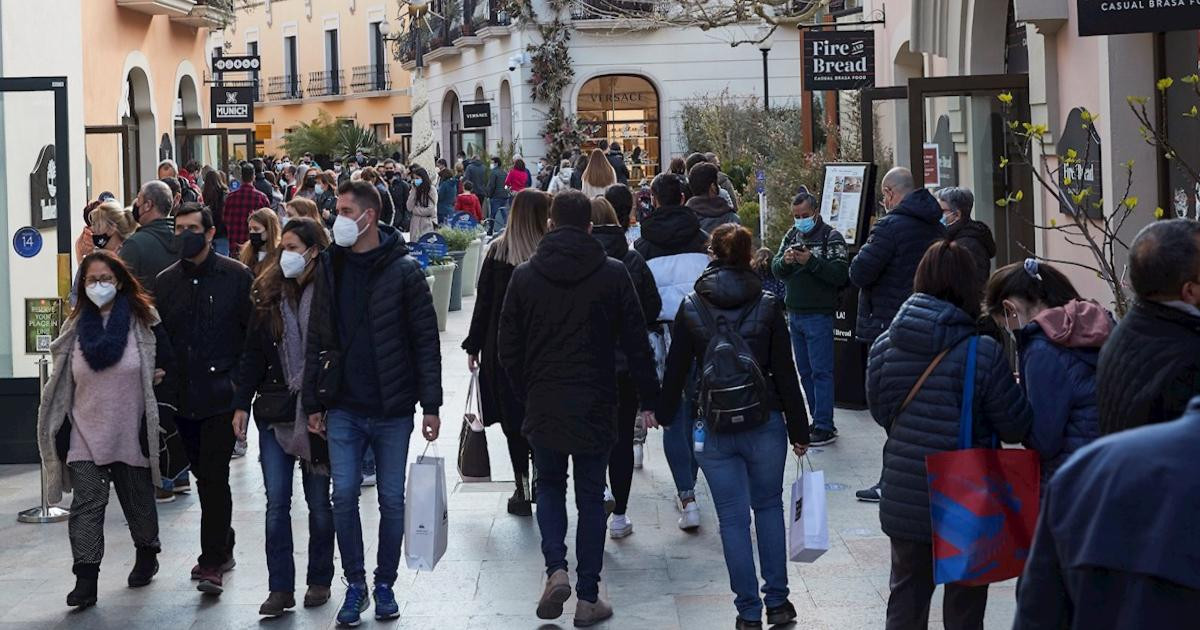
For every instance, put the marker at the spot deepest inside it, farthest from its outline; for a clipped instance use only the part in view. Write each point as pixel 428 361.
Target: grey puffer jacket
pixel 923 328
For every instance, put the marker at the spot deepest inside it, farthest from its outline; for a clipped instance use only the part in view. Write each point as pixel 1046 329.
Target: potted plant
pixel 441 273
pixel 472 263
pixel 457 242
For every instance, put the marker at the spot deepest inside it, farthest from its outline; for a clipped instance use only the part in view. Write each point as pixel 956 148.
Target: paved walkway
pixel 659 578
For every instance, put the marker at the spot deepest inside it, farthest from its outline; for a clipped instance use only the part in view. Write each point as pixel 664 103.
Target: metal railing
pixel 284 88
pixel 326 83
pixel 614 9
pixel 497 14
pixel 374 78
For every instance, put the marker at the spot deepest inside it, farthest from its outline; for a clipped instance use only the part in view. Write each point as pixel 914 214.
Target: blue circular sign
pixel 234 185
pixel 27 242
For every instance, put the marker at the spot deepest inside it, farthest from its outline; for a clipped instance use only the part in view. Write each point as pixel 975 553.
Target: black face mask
pixel 100 240
pixel 190 244
pixel 137 212
pixel 257 239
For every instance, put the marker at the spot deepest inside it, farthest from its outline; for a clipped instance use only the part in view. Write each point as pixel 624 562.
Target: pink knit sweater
pixel 106 416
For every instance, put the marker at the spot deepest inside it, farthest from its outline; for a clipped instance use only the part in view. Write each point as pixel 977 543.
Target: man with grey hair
pixel 167 168
pixel 1150 366
pixel 152 248
pixel 976 236
pixel 884 268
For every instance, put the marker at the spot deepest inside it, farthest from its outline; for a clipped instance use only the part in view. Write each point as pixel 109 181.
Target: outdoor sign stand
pixel 44 513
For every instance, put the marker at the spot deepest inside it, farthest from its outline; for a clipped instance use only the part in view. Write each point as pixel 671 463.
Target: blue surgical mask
pixel 946 222
pixel 417 182
pixel 806 224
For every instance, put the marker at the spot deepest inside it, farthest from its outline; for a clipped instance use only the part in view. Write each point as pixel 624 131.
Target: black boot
pixel 518 503
pixel 144 568
pixel 86 576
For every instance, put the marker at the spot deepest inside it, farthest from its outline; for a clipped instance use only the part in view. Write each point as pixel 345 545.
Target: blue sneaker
pixel 385 602
pixel 356 602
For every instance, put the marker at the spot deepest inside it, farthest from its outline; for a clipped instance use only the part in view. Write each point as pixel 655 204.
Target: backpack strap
pixel 702 309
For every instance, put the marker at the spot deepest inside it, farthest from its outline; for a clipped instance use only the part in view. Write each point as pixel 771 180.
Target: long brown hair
pixel 599 172
pixel 947 272
pixel 270 287
pixel 267 218
pixel 127 285
pixel 526 227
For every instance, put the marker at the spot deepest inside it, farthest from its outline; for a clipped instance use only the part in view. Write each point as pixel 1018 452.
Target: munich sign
pixel 1113 17
pixel 839 60
pixel 232 104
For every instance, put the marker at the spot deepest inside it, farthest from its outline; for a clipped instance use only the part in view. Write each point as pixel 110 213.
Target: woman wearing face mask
pixel 110 226
pixel 99 416
pixel 308 185
pixel 272 367
pixel 1058 337
pixel 422 205
pixel 299 207
pixel 263 242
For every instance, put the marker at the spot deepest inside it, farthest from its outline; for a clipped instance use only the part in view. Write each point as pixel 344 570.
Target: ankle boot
pixel 518 503
pixel 144 568
pixel 86 576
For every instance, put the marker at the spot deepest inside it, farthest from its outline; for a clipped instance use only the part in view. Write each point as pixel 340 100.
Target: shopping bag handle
pixel 966 416
pixel 426 450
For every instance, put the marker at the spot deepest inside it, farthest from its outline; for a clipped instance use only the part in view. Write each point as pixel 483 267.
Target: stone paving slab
pixel 659 578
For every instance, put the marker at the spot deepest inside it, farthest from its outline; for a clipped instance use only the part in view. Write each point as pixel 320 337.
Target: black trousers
pixel 620 460
pixel 209 445
pixel 135 491
pixel 912 588
pixel 518 452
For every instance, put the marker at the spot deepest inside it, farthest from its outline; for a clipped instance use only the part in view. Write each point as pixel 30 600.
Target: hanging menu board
pixel 844 198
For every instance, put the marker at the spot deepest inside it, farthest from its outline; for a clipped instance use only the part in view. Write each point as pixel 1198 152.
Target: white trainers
pixel 620 526
pixel 239 449
pixel 610 502
pixel 690 519
pixel 368 480
pixel 637 456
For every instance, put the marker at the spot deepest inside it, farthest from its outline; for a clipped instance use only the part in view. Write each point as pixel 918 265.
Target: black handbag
pixel 275 406
pixel 474 463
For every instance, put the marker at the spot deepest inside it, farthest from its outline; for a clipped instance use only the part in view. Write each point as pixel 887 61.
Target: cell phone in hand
pixel 798 247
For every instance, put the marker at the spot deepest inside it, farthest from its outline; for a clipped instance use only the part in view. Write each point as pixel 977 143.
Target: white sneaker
pixel 690 519
pixel 610 502
pixel 637 456
pixel 368 480
pixel 620 526
pixel 239 449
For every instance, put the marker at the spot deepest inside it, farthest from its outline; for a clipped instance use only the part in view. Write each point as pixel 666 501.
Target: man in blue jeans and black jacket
pixel 373 355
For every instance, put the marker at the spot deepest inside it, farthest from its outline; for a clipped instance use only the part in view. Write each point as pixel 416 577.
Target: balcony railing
pixel 374 78
pixel 326 83
pixel 614 9
pixel 497 15
pixel 284 88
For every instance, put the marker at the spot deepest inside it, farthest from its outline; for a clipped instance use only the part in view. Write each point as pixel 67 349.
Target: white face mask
pixel 292 263
pixel 346 230
pixel 101 293
pixel 319 189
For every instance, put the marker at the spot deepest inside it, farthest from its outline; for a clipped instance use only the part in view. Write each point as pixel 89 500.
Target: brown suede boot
pixel 558 591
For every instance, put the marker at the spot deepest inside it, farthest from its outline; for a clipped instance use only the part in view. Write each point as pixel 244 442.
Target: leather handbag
pixel 275 406
pixel 474 463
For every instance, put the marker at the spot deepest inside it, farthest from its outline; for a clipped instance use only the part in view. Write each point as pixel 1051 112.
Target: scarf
pixel 103 343
pixel 293 438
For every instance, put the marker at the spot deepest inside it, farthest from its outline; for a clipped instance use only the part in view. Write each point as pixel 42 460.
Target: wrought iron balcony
pixel 326 83
pixel 284 88
pixel 615 9
pixel 374 78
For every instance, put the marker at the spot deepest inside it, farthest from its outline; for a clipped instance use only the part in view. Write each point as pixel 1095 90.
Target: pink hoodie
pixel 1076 324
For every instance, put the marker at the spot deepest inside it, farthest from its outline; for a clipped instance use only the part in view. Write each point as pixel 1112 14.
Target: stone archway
pixel 138 113
pixel 451 121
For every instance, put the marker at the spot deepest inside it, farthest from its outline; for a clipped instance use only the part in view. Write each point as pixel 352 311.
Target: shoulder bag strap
pixel 912 393
pixel 966 415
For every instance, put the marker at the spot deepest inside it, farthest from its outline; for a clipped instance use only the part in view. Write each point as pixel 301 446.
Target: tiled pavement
pixel 491 576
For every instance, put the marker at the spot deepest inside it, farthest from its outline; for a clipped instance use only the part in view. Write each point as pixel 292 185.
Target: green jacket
pixel 813 288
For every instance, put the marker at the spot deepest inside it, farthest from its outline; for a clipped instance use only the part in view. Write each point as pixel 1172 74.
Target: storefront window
pixel 623 109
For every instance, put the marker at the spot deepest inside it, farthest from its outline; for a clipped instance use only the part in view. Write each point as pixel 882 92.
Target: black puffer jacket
pixel 885 266
pixel 401 324
pixel 260 370
pixel 731 292
pixel 498 402
pixel 567 311
pixel 976 236
pixel 924 327
pixel 612 237
pixel 1149 367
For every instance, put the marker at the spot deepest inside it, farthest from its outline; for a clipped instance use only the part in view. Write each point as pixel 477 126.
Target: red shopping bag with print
pixel 983 503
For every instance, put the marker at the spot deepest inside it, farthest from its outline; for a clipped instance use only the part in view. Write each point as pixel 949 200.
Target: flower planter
pixel 471 267
pixel 456 286
pixel 441 277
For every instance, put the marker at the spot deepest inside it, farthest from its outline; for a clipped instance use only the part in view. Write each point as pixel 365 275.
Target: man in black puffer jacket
pixel 372 315
pixel 567 311
pixel 976 236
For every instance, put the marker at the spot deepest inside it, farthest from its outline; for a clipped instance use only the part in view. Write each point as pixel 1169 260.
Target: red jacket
pixel 468 202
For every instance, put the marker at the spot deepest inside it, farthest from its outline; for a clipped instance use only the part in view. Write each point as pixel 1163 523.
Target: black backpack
pixel 733 391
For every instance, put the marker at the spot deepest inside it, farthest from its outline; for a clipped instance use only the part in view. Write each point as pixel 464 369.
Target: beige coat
pixel 58 399
pixel 424 218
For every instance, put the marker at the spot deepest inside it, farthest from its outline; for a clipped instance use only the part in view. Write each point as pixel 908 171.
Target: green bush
pixel 748 215
pixel 457 240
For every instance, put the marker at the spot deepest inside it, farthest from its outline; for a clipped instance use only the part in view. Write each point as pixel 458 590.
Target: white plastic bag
pixel 426 523
pixel 808 531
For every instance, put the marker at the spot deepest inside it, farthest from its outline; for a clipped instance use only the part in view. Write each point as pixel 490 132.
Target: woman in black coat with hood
pixel 607 230
pixel 526 227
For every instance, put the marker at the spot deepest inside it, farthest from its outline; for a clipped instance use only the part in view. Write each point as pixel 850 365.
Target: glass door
pixel 209 147
pixel 118 176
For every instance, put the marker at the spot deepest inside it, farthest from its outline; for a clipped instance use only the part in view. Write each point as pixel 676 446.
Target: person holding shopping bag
pixel 98 420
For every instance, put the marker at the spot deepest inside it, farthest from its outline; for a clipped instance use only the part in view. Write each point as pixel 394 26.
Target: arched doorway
pixel 623 109
pixel 138 117
pixel 451 121
pixel 505 112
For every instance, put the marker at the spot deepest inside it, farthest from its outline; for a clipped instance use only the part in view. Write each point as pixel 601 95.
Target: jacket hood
pixel 1077 324
pixel 709 207
pixel 391 246
pixel 977 230
pixel 925 325
pixel 567 255
pixel 728 287
pixel 921 205
pixel 163 232
pixel 612 237
pixel 671 227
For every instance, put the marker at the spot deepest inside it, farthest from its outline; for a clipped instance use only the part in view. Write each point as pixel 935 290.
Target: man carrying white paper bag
pixel 426 522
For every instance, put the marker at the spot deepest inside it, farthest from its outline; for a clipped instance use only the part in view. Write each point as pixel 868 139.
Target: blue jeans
pixel 499 213
pixel 678 447
pixel 279 470
pixel 812 343
pixel 349 437
pixel 551 492
pixel 745 472
pixel 369 462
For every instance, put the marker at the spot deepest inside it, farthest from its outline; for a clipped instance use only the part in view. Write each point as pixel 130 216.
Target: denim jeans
pixel 349 437
pixel 499 213
pixel 551 494
pixel 369 462
pixel 745 472
pixel 812 343
pixel 279 469
pixel 678 447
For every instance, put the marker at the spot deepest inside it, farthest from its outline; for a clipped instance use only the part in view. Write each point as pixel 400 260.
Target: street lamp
pixel 766 34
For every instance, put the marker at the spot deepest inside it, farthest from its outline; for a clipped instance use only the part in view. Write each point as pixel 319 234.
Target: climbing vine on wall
pixel 551 71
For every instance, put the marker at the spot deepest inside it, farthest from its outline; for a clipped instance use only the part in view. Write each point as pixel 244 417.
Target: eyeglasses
pixel 97 279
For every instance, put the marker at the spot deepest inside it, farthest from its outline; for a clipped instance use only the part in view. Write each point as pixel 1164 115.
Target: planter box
pixel 457 281
pixel 471 264
pixel 442 278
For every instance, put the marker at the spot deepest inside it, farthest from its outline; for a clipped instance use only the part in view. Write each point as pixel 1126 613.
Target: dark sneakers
pixel 385 602
pixel 746 624
pixel 144 568
pixel 784 613
pixel 519 504
pixel 211 581
pixel 821 437
pixel 869 495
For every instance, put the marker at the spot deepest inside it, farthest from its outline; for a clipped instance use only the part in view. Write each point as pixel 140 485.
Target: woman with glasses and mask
pixel 98 420
pixel 272 367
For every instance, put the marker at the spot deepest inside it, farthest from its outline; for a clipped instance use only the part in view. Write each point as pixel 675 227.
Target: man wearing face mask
pixel 153 247
pixel 373 355
pixel 814 264
pixel 1150 366
pixel 204 300
pixel 976 236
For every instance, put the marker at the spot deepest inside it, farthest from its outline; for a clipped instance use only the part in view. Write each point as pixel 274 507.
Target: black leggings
pixel 620 460
pixel 518 452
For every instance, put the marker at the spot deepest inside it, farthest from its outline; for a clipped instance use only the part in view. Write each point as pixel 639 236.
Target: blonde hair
pixel 304 207
pixel 526 227
pixel 599 172
pixel 603 213
pixel 112 213
pixel 267 218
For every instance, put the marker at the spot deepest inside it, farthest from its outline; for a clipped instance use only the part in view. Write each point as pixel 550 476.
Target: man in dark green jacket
pixel 814 264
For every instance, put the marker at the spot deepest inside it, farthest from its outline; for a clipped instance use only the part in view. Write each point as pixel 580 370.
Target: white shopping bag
pixel 808 532
pixel 426 525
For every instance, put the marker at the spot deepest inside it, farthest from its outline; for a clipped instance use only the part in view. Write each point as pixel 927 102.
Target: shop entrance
pixel 214 147
pixel 624 109
pixel 107 174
